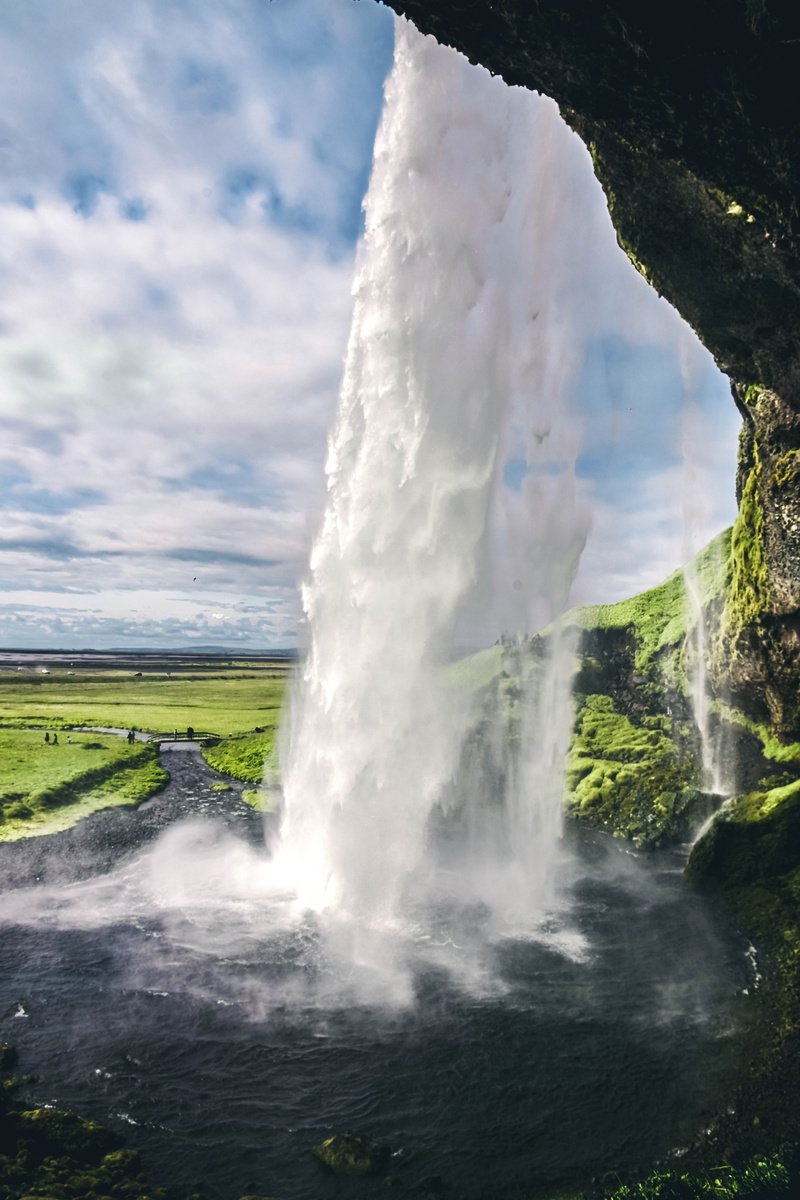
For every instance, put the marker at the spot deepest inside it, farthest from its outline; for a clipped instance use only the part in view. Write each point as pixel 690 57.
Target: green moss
pixel 628 778
pixel 351 1154
pixel 771 747
pixel 56 1133
pixel 747 595
pixel 759 1179
pixel 756 838
pixel 786 470
pixel 257 798
pixel 54 1154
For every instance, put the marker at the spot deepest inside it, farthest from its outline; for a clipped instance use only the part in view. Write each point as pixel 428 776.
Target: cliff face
pixel 690 112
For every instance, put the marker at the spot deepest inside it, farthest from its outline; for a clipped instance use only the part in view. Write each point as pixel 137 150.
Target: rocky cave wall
pixel 692 118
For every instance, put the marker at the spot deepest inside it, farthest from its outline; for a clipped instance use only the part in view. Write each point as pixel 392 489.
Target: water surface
pixel 224 1049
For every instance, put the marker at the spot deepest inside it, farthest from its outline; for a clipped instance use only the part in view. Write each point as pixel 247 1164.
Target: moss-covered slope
pixel 635 763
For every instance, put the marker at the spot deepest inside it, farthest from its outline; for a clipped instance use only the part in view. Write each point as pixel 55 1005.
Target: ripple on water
pixel 534 1058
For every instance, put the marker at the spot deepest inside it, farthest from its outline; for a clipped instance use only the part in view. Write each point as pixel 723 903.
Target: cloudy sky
pixel 180 203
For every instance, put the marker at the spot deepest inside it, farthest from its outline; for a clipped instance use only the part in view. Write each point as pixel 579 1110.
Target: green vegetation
pixel 476 671
pixel 53 1154
pixel 786 470
pixel 771 747
pixel 659 618
pixel 759 1179
pixel 46 787
pixel 351 1154
pixel 632 767
pixel 631 779
pixel 225 703
pixel 260 798
pixel 747 595
pixel 241 757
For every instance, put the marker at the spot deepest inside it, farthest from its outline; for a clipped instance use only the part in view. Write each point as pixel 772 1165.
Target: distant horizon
pixel 269 652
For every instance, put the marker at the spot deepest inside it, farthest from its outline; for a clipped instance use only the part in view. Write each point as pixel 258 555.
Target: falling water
pixel 455 331
pixel 701 567
pixel 718 775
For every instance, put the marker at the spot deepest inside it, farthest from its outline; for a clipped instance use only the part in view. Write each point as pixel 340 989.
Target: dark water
pixel 603 1045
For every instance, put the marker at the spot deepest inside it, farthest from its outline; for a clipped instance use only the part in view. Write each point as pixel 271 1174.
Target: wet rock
pixel 351 1154
pixel 53 1132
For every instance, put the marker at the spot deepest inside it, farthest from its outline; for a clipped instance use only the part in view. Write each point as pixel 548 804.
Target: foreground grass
pixel 45 787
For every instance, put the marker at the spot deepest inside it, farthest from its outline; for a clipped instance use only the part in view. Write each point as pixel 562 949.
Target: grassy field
pixel 45 787
pixel 225 703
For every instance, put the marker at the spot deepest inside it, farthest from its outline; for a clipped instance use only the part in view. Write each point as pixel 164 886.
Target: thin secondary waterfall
pixel 456 316
pixel 718 773
pixel 701 568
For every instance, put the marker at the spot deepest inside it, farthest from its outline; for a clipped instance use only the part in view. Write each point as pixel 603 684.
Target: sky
pixel 180 205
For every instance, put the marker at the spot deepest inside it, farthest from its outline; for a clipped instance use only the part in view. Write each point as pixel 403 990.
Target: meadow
pixel 45 786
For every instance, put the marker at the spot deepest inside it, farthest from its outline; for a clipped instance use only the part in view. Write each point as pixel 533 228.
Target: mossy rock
pixel 351 1154
pixel 757 838
pixel 125 1161
pixel 632 779
pixel 53 1132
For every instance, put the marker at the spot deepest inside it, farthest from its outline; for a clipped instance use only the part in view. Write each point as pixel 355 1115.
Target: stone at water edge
pixel 351 1154
pixel 56 1133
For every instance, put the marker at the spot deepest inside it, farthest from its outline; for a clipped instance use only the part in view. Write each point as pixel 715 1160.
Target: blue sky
pixel 180 192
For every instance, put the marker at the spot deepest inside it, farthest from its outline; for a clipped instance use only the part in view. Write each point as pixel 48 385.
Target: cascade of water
pixel 698 676
pixel 452 332
pixel 718 775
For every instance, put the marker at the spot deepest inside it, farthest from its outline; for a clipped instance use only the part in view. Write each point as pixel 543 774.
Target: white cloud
pixel 166 383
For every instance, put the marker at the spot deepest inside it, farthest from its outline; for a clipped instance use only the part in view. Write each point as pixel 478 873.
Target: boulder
pixel 351 1154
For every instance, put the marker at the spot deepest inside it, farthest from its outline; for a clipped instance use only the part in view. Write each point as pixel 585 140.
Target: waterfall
pixel 457 332
pixel 717 771
pixel 702 568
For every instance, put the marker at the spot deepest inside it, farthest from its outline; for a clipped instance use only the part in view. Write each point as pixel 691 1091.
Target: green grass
pixel 226 703
pixel 659 617
pixel 45 788
pixel 241 757
pixel 476 671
